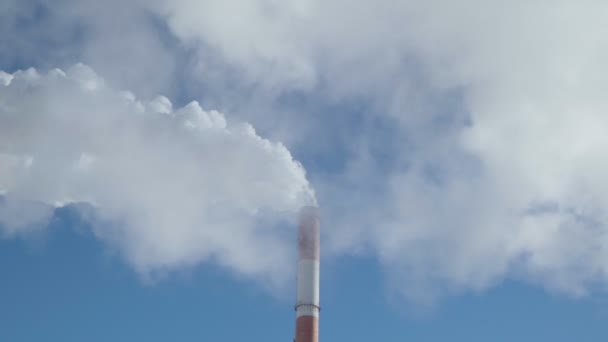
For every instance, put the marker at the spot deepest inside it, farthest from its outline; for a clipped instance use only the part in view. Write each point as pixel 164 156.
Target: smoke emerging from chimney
pixel 173 187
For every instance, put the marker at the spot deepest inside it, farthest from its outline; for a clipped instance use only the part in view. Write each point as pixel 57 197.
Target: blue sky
pixel 154 155
pixel 63 287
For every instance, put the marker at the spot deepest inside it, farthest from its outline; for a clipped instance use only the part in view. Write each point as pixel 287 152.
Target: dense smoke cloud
pixel 494 164
pixel 170 187
pixel 514 187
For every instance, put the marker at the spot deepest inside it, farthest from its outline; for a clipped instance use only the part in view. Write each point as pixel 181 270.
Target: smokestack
pixel 307 304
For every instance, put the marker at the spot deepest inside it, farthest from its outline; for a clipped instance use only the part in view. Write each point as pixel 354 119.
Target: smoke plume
pixel 170 187
pixel 508 181
pixel 489 162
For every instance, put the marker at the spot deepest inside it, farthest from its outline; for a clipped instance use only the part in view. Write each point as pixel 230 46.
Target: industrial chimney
pixel 307 304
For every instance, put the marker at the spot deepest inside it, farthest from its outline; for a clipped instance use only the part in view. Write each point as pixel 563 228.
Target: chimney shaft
pixel 307 305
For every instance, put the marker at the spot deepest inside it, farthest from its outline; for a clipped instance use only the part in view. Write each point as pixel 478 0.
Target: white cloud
pixel 508 181
pixel 533 84
pixel 172 188
pixel 533 81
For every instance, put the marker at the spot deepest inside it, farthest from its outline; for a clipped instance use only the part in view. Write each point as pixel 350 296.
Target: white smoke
pixel 171 187
pixel 517 189
pixel 508 181
pixel 534 205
